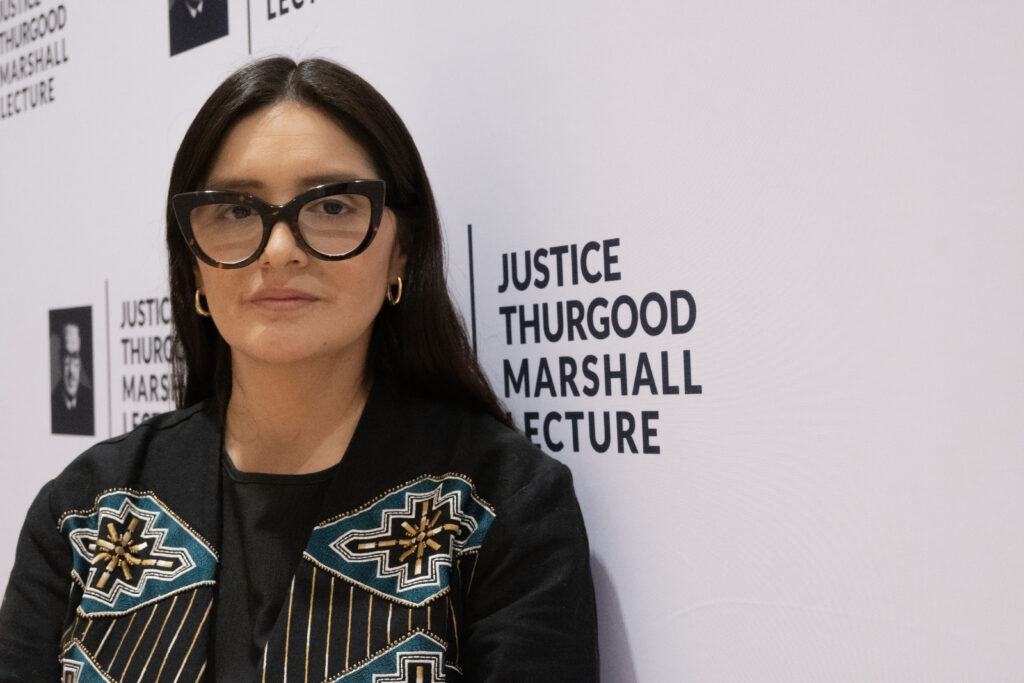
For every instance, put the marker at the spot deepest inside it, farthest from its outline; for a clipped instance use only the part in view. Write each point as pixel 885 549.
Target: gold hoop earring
pixel 199 306
pixel 393 299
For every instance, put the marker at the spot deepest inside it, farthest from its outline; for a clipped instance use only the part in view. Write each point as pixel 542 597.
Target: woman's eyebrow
pixel 254 186
pixel 234 184
pixel 323 179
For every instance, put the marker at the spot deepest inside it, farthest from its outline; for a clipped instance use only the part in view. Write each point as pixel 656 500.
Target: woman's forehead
pixel 287 142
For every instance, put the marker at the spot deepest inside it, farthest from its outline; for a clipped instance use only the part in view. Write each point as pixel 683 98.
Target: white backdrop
pixel 837 187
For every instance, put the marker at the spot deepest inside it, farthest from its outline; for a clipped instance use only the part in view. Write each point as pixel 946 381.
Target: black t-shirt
pixel 265 527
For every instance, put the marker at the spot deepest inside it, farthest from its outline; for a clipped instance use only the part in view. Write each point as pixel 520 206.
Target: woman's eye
pixel 331 206
pixel 236 212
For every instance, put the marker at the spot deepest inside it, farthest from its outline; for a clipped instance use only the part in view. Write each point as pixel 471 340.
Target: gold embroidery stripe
pixel 170 647
pixel 390 606
pixel 380 594
pixel 309 623
pixel 288 629
pixel 158 637
pixel 69 629
pixel 195 637
pixel 123 636
pixel 137 642
pixel 330 613
pixel 69 632
pixel 348 637
pixel 109 629
pixel 472 574
pixel 202 670
pixel 369 620
pixel 266 647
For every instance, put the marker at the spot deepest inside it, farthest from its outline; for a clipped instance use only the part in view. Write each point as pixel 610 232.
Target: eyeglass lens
pixel 333 226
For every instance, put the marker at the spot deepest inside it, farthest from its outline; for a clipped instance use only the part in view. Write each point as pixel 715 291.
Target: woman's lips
pixel 282 299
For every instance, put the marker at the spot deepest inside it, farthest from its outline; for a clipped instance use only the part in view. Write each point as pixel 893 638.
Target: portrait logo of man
pixel 197 22
pixel 71 385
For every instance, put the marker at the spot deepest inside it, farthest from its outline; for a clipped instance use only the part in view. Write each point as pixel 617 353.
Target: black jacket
pixel 448 545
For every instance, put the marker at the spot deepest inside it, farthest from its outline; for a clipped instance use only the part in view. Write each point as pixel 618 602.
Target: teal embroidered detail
pixel 133 550
pixel 403 546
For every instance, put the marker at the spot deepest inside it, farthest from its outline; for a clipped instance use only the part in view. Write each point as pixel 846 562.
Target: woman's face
pixel 289 306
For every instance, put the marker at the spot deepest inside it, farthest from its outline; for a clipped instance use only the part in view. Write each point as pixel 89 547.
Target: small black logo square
pixel 71 385
pixel 196 22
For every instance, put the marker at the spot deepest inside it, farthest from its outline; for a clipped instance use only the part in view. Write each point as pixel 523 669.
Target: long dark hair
pixel 420 344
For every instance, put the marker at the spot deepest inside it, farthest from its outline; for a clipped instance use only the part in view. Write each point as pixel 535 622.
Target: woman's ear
pixel 396 264
pixel 396 267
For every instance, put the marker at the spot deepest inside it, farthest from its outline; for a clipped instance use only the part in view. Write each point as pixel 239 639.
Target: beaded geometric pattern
pixel 131 550
pixel 403 545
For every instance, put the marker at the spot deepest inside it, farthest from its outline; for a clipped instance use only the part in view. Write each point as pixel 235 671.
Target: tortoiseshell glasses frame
pixel 331 222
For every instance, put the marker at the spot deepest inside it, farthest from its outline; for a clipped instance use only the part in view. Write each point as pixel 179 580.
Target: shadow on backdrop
pixel 616 656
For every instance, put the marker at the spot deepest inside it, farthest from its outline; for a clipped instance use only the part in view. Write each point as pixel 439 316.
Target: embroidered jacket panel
pixel 447 548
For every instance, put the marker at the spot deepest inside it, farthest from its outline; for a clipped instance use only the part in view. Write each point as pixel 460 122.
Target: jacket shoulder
pixel 498 458
pixel 150 454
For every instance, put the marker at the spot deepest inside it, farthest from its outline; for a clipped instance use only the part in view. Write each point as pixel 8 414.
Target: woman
pixel 343 499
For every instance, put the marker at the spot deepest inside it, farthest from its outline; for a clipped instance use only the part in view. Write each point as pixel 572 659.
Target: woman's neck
pixel 293 419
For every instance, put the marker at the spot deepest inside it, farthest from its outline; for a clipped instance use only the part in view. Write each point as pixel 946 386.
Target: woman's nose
pixel 282 248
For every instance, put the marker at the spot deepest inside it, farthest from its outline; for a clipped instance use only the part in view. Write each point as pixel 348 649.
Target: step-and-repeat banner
pixel 753 271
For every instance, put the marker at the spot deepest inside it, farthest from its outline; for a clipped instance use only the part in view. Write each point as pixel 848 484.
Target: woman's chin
pixel 292 350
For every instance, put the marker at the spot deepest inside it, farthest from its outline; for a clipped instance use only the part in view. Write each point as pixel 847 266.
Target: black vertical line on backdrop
pixel 110 412
pixel 248 23
pixel 472 287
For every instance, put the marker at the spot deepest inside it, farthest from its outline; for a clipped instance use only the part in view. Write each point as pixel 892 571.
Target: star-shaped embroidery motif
pixel 122 550
pixel 405 540
pixel 125 550
pixel 411 542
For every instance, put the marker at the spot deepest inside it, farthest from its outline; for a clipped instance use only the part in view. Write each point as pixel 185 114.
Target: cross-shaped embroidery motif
pixel 411 542
pixel 122 550
pixel 408 542
pixel 131 550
